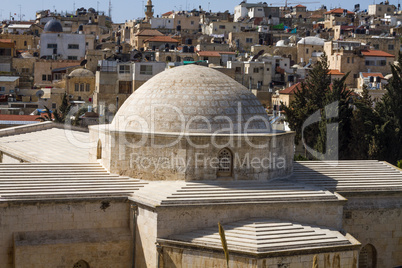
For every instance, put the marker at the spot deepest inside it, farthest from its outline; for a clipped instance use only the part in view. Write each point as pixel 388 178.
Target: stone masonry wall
pixel 180 258
pixel 55 216
pixel 196 217
pixel 172 157
pixel 377 221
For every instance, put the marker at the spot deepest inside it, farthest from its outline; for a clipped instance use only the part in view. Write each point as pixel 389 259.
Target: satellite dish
pixel 40 93
pixel 261 52
pixel 83 62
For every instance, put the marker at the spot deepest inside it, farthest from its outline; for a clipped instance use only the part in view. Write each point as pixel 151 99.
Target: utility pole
pixel 20 13
pixel 74 7
pixel 97 7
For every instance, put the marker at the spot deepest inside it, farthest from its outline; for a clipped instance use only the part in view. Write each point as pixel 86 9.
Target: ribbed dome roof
pixel 192 99
pixel 53 26
pixel 81 73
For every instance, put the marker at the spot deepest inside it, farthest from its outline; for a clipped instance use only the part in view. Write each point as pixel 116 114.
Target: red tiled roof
pixel 373 74
pixel 335 72
pixel 13 117
pixel 338 11
pixel 376 53
pixel 167 13
pixel 291 89
pixel 165 39
pixel 6 41
pixel 300 6
pixel 209 54
pixel 150 32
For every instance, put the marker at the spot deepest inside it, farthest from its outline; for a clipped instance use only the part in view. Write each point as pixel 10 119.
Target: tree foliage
pixel 364 132
pixel 309 99
pixel 387 137
pixel 66 113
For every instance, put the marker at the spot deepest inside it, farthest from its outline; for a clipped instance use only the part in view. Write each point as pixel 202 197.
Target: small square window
pixel 73 46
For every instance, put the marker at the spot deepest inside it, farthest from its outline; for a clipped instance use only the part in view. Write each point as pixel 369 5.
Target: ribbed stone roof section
pixel 192 99
pixel 259 236
pixel 58 181
pixel 197 193
pixel 348 175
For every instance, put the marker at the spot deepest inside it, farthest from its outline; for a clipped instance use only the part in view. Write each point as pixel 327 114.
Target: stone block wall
pixel 170 219
pixel 377 221
pixel 51 216
pixel 108 247
pixel 173 157
pixel 185 257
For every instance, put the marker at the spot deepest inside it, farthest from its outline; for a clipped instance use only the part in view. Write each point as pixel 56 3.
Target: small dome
pixel 192 99
pixel 53 26
pixel 281 43
pixel 311 40
pixel 81 73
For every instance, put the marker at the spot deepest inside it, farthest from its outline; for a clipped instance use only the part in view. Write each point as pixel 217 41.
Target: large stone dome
pixel 53 26
pixel 192 99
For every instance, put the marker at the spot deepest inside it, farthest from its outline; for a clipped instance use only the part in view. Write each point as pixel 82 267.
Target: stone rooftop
pixel 50 145
pixel 167 193
pixel 259 236
pixel 348 176
pixel 58 181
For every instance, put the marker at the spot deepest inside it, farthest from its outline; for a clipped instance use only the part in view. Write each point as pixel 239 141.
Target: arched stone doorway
pixel 368 257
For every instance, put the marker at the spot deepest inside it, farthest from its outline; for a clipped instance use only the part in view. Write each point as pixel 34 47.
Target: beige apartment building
pixel 353 57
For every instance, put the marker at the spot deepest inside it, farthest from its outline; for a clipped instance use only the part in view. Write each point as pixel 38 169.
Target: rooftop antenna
pixel 73 7
pixel 110 9
pixel 208 5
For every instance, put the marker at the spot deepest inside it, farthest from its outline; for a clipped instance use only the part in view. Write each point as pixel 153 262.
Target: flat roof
pixel 9 78
pixel 53 145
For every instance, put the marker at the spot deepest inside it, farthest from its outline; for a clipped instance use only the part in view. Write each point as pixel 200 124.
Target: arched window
pixel 99 150
pixel 81 264
pixel 225 163
pixel 178 59
pixel 368 257
pixel 168 59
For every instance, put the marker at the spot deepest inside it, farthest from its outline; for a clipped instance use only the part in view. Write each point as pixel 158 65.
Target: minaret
pixel 149 12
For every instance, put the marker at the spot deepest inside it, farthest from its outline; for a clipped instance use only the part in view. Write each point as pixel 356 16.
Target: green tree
pixel 309 99
pixel 387 137
pixel 65 113
pixel 338 121
pixel 364 120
